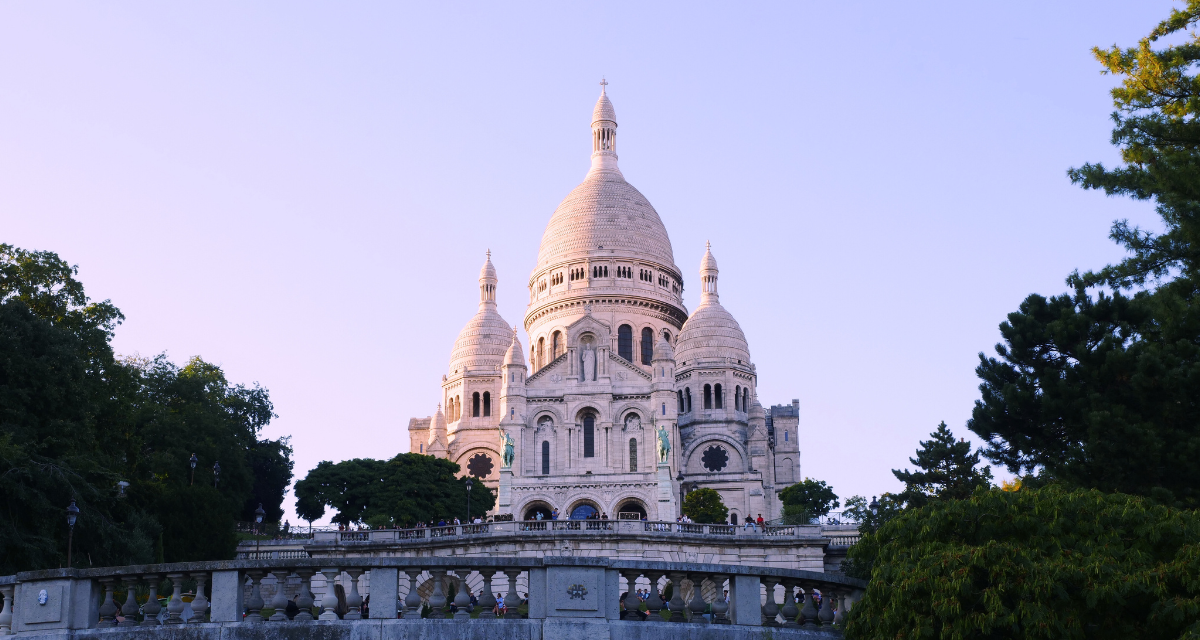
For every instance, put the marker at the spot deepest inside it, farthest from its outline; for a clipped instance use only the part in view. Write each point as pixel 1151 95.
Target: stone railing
pixel 563 597
pixel 584 526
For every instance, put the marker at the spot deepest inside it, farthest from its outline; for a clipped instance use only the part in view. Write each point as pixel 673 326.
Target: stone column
pixel 437 600
pixel 511 599
pixel 789 610
pixel 633 604
pixel 666 491
pixel 280 601
pixel 719 606
pixel 770 608
pixel 487 600
pixel 175 604
pixel 108 609
pixel 839 617
pixel 654 602
pixel 329 600
pixel 504 492
pixel 698 605
pixel 809 613
pixel 676 605
pixel 130 609
pixel 461 599
pixel 304 597
pixel 354 599
pixel 384 585
pixel 6 614
pixel 199 602
pixel 151 608
pixel 255 603
pixel 826 613
pixel 412 602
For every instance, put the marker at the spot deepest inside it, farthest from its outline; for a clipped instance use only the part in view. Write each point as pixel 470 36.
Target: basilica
pixel 624 401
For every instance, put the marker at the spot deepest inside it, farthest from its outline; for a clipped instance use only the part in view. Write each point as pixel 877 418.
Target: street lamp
pixel 469 501
pixel 874 506
pixel 258 516
pixel 216 474
pixel 193 462
pixel 72 513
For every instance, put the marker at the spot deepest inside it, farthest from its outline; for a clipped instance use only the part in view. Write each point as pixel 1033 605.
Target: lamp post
pixel 216 474
pixel 192 463
pixel 72 513
pixel 258 516
pixel 468 501
pixel 874 506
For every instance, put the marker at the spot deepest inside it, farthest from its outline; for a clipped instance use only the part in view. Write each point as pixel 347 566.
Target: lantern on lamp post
pixel 216 474
pixel 468 501
pixel 258 516
pixel 72 514
pixel 192 464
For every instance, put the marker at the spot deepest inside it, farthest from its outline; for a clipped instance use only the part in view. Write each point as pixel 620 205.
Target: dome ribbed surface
pixel 605 211
pixel 483 342
pixel 711 332
pixel 604 110
pixel 515 354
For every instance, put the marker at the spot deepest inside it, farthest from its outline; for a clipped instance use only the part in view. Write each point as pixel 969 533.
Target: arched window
pixel 625 342
pixel 746 399
pixel 589 436
pixel 687 394
pixel 632 455
pixel 545 457
pixel 667 335
pixel 556 345
pixel 680 393
pixel 707 396
pixel 718 397
pixel 737 398
pixel 487 404
pixel 475 405
pixel 647 345
pixel 541 354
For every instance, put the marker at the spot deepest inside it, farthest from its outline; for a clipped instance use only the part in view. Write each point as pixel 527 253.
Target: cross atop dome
pixel 603 85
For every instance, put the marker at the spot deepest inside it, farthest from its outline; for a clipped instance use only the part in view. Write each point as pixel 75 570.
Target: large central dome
pixel 605 213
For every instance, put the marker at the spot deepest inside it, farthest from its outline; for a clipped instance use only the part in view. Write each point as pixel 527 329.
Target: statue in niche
pixel 633 422
pixel 507 449
pixel 589 364
pixel 664 444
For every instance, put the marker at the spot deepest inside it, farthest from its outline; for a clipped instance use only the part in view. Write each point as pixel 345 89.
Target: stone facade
pixel 627 401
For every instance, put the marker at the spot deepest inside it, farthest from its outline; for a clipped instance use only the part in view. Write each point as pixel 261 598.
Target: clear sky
pixel 303 192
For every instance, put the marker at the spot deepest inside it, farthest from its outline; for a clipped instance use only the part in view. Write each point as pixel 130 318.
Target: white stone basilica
pixel 627 401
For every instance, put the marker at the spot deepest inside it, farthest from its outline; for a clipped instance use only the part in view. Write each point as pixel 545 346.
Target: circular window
pixel 480 465
pixel 715 458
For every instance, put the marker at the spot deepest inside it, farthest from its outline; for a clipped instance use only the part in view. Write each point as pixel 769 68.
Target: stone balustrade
pixel 535 526
pixel 566 597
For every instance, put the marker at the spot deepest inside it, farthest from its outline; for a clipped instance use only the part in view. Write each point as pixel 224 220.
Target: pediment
pixel 558 367
pixel 588 324
pixel 625 365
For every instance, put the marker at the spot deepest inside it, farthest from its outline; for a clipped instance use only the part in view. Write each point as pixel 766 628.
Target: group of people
pixel 454 522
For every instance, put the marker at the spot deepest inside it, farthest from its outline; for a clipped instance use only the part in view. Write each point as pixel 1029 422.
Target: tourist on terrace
pixel 554 514
pixel 749 524
pixel 760 522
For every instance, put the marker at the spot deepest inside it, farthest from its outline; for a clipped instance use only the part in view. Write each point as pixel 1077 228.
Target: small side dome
pixel 604 109
pixel 663 349
pixel 756 410
pixel 488 272
pixel 515 356
pixel 711 332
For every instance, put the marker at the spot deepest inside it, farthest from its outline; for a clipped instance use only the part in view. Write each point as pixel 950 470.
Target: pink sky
pixel 303 193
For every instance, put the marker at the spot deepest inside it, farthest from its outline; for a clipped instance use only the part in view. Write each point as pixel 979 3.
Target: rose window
pixel 480 465
pixel 715 458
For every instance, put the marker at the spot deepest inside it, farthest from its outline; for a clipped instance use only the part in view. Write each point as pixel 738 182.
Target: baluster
pixel 6 614
pixel 487 600
pixel 511 599
pixel 698 605
pixel 826 614
pixel 719 606
pixel 654 603
pixel 839 618
pixel 633 604
pixel 152 607
pixel 329 600
pixel 412 602
pixel 354 599
pixel 304 597
pixel 108 610
pixel 789 610
pixel 280 601
pixel 461 599
pixel 129 610
pixel 437 599
pixel 676 605
pixel 770 608
pixel 199 603
pixel 175 604
pixel 810 610
pixel 255 602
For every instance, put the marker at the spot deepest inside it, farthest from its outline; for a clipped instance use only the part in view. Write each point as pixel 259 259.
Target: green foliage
pixel 1047 563
pixel 1101 390
pixel 947 470
pixel 705 506
pixel 407 489
pixel 75 421
pixel 804 501
pixel 861 559
pixel 271 467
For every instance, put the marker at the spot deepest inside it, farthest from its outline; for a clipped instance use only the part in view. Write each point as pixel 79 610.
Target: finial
pixel 489 254
pixel 707 245
pixel 603 85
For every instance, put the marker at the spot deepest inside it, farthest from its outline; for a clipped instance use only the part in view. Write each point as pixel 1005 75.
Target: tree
pixel 860 560
pixel 1046 563
pixel 1101 389
pixel 271 467
pixel 705 506
pixel 407 489
pixel 947 470
pixel 804 501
